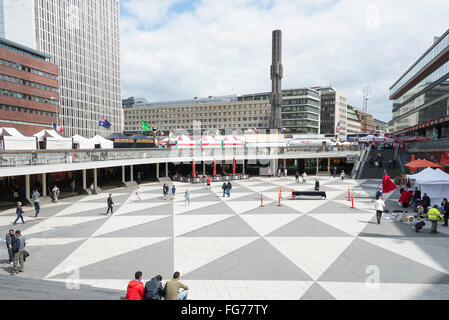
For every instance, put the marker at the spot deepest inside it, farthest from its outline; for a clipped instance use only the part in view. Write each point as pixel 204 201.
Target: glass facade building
pixel 421 94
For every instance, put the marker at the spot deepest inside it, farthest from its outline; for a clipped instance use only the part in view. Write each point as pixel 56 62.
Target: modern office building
pixel 300 112
pixel 381 126
pixel 334 107
pixel 420 96
pixel 354 125
pixel 367 123
pixel 29 88
pixel 83 39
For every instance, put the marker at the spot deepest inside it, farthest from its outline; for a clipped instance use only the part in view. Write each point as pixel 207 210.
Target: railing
pixel 428 145
pixel 364 161
pixel 49 157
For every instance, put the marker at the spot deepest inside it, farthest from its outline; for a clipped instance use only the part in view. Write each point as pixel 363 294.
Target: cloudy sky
pixel 178 49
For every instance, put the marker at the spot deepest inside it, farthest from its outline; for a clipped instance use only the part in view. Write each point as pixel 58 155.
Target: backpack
pixel 419 226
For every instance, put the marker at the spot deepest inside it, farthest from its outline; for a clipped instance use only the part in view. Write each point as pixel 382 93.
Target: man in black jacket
pixel 110 205
pixel 425 202
pixel 317 185
pixel 154 289
pixel 10 244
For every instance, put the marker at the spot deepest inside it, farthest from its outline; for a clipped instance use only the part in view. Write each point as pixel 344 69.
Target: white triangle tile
pixel 180 208
pixel 180 197
pixel 111 284
pixel 41 242
pixel 304 206
pixel 57 222
pixel 138 206
pixel 313 255
pixel 385 291
pixel 143 196
pixel 417 249
pixel 188 223
pixel 246 195
pixel 116 223
pixel 6 221
pixel 245 206
pixel 267 223
pixel 101 197
pixel 98 249
pixel 261 189
pixel 248 183
pixel 359 203
pixel 82 207
pixel 351 223
pixel 194 252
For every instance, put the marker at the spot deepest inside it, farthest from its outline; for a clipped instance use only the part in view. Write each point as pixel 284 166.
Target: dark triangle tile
pixel 219 208
pixel 43 259
pixel 306 226
pixel 233 226
pixel 79 230
pixel 356 263
pixel 316 292
pixel 151 260
pixel 159 228
pixel 258 260
pixel 162 210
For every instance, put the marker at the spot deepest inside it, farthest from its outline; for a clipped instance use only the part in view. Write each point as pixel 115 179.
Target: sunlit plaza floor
pixel 232 248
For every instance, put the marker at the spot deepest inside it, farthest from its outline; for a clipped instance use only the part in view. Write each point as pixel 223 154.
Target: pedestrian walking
pixel 228 189
pixel 92 189
pixel 37 204
pixel 317 185
pixel 172 288
pixel 224 187
pixel 19 212
pixel 297 177
pixel 380 207
pixel 286 172
pixel 167 190
pixel 139 177
pixel 164 191
pixel 110 205
pixel 138 193
pixel 56 193
pixel 434 216
pixel 10 244
pixel 334 172
pixel 135 290
pixel 208 182
pixel 186 198
pixel 19 253
pixel 445 211
pixel 342 175
pixel 173 192
pixel 73 185
pixel 304 177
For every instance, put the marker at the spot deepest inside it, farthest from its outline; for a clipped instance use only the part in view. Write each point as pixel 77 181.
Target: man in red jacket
pixel 136 290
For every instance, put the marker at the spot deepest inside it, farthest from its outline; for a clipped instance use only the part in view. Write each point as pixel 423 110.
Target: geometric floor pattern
pixel 232 248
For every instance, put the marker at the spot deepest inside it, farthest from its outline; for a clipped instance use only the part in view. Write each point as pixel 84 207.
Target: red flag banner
pixel 388 185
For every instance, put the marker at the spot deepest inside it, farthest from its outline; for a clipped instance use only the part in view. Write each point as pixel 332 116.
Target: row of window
pixel 28 97
pixel 36 85
pixel 301 108
pixel 27 110
pixel 300 101
pixel 299 116
pixel 28 69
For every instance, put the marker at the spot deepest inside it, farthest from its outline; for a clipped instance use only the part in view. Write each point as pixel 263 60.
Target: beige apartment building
pixel 212 113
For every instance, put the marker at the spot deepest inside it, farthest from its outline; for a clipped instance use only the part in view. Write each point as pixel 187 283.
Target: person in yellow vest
pixel 434 216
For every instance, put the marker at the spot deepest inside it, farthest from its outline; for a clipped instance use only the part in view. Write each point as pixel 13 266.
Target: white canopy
pixel 12 139
pixel 54 141
pixel 371 138
pixel 104 143
pixel 433 182
pixel 83 143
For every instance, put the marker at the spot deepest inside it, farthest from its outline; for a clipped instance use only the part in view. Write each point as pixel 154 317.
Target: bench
pixel 309 193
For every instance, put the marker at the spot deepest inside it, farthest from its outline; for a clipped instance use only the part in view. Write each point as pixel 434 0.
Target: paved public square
pixel 308 248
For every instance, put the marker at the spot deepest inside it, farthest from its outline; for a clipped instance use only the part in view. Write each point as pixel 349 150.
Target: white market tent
pixel 210 142
pixel 12 139
pixel 83 143
pixel 371 138
pixel 433 182
pixel 54 141
pixel 103 142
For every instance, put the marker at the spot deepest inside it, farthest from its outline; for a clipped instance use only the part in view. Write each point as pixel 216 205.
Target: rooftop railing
pixel 49 157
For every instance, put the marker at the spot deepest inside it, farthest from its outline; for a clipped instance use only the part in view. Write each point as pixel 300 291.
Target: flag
pixel 388 185
pixel 255 130
pixel 283 130
pixel 249 130
pixel 104 123
pixel 57 128
pixel 145 126
pixel 217 132
pixel 338 127
pixel 170 133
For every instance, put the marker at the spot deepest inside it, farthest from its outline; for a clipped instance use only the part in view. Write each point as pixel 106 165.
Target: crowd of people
pixel 153 289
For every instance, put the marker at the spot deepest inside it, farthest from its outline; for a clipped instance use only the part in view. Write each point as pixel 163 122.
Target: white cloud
pixel 224 47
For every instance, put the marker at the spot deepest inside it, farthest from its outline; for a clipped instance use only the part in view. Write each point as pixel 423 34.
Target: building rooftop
pixel 5 43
